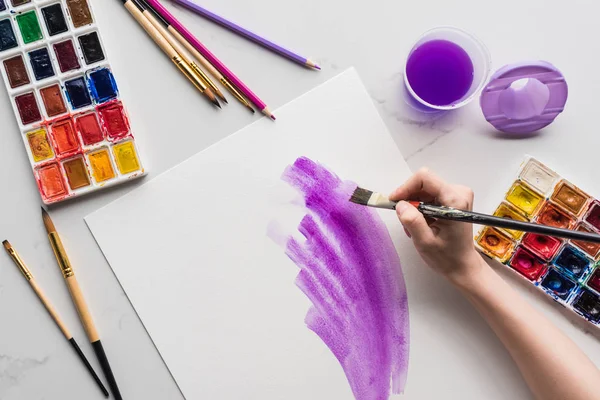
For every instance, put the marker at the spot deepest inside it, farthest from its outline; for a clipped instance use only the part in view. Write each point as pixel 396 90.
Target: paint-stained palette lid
pixel 524 97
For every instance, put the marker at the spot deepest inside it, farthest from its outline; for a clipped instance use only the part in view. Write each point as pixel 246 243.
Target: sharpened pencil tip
pixel 317 67
pixel 6 244
pixel 273 118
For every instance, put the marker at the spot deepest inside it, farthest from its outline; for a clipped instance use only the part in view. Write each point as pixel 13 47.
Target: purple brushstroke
pixel 350 271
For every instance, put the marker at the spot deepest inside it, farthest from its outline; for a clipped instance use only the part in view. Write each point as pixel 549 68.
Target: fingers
pixel 422 184
pixel 415 224
pixel 457 196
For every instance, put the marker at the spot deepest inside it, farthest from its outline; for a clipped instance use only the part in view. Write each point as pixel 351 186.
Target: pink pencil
pixel 210 57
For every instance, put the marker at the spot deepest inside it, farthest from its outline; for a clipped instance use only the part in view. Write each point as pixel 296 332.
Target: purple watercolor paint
pixel 440 72
pixel 350 271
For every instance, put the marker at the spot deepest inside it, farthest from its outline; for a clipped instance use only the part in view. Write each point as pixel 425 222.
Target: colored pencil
pixel 373 199
pixel 134 9
pixel 79 301
pixel 163 27
pixel 52 311
pixel 232 26
pixel 160 9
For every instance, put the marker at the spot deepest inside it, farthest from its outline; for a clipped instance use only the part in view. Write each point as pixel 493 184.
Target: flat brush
pixel 77 296
pixel 52 311
pixel 373 199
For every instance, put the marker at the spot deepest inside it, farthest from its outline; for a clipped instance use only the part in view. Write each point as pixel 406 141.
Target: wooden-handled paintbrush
pixel 373 199
pixel 77 296
pixel 52 311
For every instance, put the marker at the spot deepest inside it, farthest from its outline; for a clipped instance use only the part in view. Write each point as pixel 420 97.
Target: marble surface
pixel 172 122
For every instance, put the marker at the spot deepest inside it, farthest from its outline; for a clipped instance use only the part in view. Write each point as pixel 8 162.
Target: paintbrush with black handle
pixel 373 199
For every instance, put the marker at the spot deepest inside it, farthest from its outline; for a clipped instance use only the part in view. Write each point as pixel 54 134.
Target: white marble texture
pixel 35 361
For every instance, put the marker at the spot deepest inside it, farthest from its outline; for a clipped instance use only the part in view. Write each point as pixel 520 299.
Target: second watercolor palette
pixel 65 97
pixel 566 270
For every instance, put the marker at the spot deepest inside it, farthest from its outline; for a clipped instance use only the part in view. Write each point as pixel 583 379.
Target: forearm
pixel 552 365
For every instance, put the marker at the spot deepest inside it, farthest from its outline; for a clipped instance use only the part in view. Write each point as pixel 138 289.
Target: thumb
pixel 414 222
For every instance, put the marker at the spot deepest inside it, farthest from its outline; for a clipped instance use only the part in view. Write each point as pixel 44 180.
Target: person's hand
pixel 446 246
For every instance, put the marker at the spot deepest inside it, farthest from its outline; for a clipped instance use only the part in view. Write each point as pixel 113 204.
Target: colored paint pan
pixel 28 108
pixel 51 182
pixel 16 71
pixel 527 264
pixel 551 215
pixel 8 40
pixel 594 281
pixel 544 247
pixel 126 156
pixel 39 145
pixel 588 304
pixel 538 176
pixel 29 26
pixel 80 12
pixel 91 48
pixel 558 285
pixel 592 249
pixel 41 64
pixel 114 121
pixel 77 93
pixel 89 129
pixel 570 198
pixel 53 100
pixel 77 174
pixel 524 198
pixel 495 243
pixel 102 167
pixel 54 18
pixel 64 138
pixel 103 85
pixel 572 261
pixel 17 3
pixel 66 56
pixel 505 210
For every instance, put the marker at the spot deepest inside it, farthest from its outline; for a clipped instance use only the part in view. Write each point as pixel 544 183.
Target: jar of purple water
pixel 445 69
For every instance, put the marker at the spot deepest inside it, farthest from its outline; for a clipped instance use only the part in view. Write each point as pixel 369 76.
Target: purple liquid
pixel 440 72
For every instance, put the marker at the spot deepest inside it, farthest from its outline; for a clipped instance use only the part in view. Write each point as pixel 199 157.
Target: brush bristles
pixel 361 196
pixel 6 244
pixel 48 222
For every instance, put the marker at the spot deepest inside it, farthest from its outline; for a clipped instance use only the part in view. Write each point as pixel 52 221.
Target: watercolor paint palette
pixel 566 270
pixel 65 98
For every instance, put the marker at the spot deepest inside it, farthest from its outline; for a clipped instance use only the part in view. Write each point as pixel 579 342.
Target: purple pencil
pixel 160 9
pixel 246 33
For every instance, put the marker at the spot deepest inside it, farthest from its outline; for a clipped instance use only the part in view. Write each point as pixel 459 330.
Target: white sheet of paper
pixel 217 295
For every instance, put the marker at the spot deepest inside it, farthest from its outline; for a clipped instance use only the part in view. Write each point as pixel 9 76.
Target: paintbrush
pixel 201 59
pixel 77 296
pixel 179 44
pixel 373 199
pixel 230 78
pixel 135 9
pixel 161 25
pixel 52 311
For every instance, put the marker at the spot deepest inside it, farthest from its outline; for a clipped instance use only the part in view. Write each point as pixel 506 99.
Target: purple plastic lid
pixel 524 97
